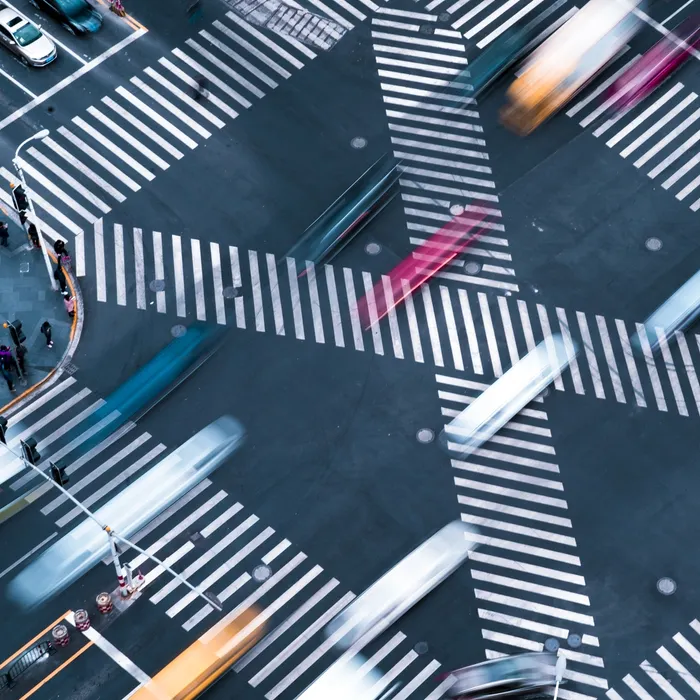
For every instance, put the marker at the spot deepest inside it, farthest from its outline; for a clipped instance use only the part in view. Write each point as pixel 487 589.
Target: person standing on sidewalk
pixel 8 378
pixel 4 234
pixel 60 277
pixel 46 331
pixel 21 354
pixel 7 360
pixel 69 303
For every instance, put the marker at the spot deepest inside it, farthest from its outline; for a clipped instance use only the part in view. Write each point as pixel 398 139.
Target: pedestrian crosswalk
pixel 674 672
pixel 527 574
pixel 657 136
pixel 450 327
pixel 435 132
pixel 78 173
pixel 213 540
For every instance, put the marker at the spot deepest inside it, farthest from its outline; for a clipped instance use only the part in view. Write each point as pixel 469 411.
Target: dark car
pixel 77 16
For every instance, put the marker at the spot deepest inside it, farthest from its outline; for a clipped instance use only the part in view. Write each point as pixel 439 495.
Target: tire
pixel 34 3
pixel 68 28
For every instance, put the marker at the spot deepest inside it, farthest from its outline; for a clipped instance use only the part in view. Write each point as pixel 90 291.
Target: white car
pixel 25 38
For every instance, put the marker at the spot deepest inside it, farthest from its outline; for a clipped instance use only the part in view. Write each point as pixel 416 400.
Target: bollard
pixel 60 636
pixel 104 603
pixel 82 620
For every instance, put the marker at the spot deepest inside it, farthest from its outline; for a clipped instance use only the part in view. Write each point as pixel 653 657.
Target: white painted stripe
pixel 511 640
pixel 80 255
pixel 535 533
pixel 662 143
pixel 198 277
pixel 440 691
pixel 159 265
pixel 352 307
pixel 679 668
pixel 590 355
pixel 177 133
pixel 687 647
pixel 257 294
pixel 671 159
pixel 600 88
pixel 236 276
pixel 332 14
pixel 503 26
pixel 523 623
pixel 537 588
pixel 665 685
pixel 28 554
pixel 156 138
pixel 610 359
pixel 507 475
pixel 689 367
pixel 135 143
pixel 140 270
pixel 335 308
pixel 526 325
pixel 471 332
pixel 315 302
pixel 672 373
pixel 651 368
pixel 636 688
pixel 549 344
pixel 275 294
pixel 546 610
pixel 391 316
pixel 534 551
pixel 382 653
pixel 515 512
pixel 511 493
pixel 491 341
pixel 179 276
pixel 119 264
pixel 100 272
pixel 215 253
pixel 372 309
pixel 570 351
pixel 276 551
pixel 417 681
pixel 223 518
pixel 296 299
pixel 451 328
pixel 433 333
pixel 533 569
pixel 264 40
pixel 508 327
pixel 79 165
pixel 412 322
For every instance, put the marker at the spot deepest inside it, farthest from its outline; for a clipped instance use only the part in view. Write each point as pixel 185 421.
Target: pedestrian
pixel 8 378
pixel 33 235
pixel 45 330
pixel 7 360
pixel 60 277
pixel 4 234
pixel 21 353
pixel 201 91
pixel 69 303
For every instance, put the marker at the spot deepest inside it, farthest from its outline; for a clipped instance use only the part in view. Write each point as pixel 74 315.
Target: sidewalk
pixel 26 295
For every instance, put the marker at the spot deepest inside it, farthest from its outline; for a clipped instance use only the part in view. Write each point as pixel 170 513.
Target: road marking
pixel 56 671
pixel 19 113
pixel 119 263
pixel 27 555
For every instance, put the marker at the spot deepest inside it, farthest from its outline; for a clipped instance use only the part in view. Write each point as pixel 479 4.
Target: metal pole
pixel 34 220
pixel 117 564
pixel 114 536
pixel 559 669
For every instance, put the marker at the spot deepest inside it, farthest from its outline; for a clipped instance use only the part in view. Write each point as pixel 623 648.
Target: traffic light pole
pixel 34 220
pixel 113 537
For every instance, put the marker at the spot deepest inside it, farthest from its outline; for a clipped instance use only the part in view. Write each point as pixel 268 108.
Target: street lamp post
pixel 15 161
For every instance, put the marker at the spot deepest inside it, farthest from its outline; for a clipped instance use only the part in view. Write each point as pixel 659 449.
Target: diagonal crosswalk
pixel 674 674
pixel 215 541
pixel 80 172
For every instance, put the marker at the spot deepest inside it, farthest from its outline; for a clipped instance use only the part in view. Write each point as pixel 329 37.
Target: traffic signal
pixel 16 333
pixel 19 197
pixel 58 474
pixel 29 451
pixel 3 429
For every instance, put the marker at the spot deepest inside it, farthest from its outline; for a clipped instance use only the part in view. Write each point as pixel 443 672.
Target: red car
pixel 655 66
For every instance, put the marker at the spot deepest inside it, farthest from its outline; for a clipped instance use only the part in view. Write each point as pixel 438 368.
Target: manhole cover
pixel 262 573
pixel 427 29
pixel 23 268
pixel 373 249
pixel 666 586
pixel 551 645
pixel 178 331
pixel 574 640
pixel 425 435
pixel 472 268
pixel 456 210
pixel 230 292
pixel 358 142
pixel 421 648
pixel 653 244
pixel 70 368
pixel 157 285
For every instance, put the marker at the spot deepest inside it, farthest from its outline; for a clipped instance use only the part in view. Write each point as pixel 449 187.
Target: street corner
pixel 41 326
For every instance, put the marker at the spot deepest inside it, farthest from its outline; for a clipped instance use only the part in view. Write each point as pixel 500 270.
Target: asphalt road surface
pixel 180 212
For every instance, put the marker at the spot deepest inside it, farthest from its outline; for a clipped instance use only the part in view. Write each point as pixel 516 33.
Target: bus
pixel 495 406
pixel 198 667
pixel 567 61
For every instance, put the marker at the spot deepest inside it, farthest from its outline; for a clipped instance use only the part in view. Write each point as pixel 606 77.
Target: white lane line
pixel 315 302
pixel 590 355
pixel 179 276
pixel 7 76
pixel 391 315
pixel 27 555
pixel 275 293
pixel 19 113
pixel 140 269
pixel 472 341
pixel 508 327
pixel 672 373
pixel 651 367
pixel 372 309
pixel 198 276
pixel 433 333
pixel 689 367
pixel 631 365
pixel 159 264
pixel 237 283
pixel 100 271
pixel 571 353
pixel 451 328
pixel 610 359
pixel 678 11
pixel 257 294
pixel 491 341
pixel 108 648
pixel 276 551
pixel 335 307
pixel 296 299
pixel 412 322
pixel 549 344
pixel 119 264
pixel 352 307
pixel 215 253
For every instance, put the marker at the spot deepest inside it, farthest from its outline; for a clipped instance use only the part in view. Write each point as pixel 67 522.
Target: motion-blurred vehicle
pixel 77 16
pixel 423 264
pixel 520 674
pixel 675 314
pixel 495 406
pixel 655 66
pixel 203 663
pixel 25 39
pixel 348 215
pixel 567 61
pixel 386 600
pixel 126 513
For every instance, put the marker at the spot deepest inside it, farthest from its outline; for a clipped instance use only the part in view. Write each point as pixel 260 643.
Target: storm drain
pixel 297 23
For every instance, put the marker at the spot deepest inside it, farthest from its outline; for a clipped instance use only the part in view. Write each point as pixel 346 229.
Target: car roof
pixel 7 15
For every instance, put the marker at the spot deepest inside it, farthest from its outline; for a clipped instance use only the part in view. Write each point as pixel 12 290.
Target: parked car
pixel 25 39
pixel 77 16
pixel 499 678
pixel 655 66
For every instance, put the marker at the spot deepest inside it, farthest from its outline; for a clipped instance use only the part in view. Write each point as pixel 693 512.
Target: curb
pixel 55 374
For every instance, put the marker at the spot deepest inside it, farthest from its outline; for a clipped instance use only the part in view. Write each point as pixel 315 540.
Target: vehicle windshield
pixel 27 34
pixel 73 8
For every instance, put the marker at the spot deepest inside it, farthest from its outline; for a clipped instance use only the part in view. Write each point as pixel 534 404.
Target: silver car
pixel 25 39
pixel 499 678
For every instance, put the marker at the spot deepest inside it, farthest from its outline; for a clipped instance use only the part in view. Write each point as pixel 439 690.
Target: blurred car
pixel 77 16
pixel 655 66
pixel 25 39
pixel 500 678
